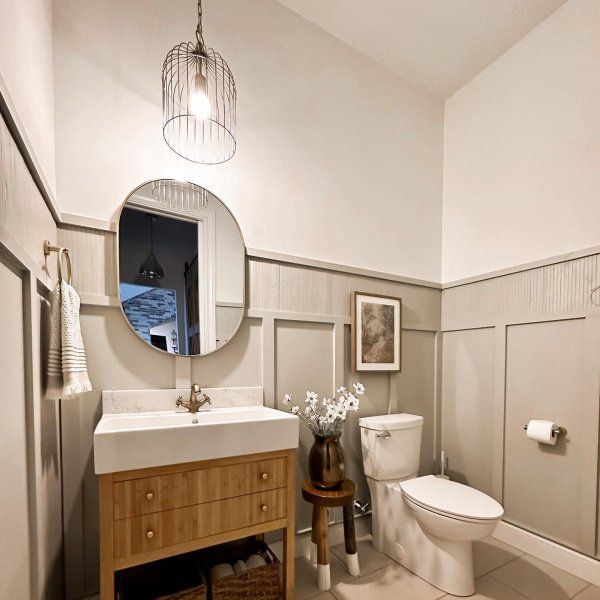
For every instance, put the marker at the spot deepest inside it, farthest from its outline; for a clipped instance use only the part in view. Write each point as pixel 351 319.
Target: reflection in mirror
pixel 181 267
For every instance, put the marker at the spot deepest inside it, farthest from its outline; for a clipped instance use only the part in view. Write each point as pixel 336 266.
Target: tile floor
pixel 502 572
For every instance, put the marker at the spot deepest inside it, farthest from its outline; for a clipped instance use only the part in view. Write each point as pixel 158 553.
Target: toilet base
pixel 446 564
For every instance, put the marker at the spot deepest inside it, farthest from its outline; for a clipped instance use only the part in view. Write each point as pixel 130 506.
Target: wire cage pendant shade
pixel 179 195
pixel 199 102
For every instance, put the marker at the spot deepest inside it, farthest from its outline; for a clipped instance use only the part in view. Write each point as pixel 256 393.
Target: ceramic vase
pixel 326 462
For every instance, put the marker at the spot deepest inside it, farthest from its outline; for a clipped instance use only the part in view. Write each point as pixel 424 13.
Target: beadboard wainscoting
pixel 517 347
pixel 295 336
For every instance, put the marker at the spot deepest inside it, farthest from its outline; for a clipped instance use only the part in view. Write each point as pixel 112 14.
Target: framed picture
pixel 376 331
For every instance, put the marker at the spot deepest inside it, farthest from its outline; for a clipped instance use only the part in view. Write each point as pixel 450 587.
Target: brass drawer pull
pixel 264 476
pixel 150 534
pixel 264 508
pixel 149 496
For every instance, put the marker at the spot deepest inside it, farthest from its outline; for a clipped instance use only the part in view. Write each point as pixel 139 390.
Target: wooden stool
pixel 321 501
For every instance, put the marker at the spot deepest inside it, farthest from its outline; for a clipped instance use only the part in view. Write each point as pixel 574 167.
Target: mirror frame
pixel 118 269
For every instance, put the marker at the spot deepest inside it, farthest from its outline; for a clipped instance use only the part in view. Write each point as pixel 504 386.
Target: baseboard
pixel 577 564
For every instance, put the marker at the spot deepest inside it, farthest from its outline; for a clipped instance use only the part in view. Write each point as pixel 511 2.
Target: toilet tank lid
pixel 391 422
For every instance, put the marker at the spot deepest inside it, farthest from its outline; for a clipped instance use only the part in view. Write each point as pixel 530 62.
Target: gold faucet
pixel 196 401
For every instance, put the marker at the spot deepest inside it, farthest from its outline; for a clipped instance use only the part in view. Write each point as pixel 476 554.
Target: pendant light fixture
pixel 150 268
pixel 199 99
pixel 180 195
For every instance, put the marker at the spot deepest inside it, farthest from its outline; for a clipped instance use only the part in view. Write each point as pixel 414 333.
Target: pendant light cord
pixel 152 235
pixel 199 36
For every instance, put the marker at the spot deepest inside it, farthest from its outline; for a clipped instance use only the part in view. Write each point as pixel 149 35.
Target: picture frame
pixel 376 332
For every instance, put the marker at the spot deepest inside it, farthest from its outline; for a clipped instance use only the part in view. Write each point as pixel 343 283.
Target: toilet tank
pixel 391 445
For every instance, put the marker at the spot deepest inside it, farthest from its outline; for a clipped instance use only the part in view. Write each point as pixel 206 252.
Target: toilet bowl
pixel 427 524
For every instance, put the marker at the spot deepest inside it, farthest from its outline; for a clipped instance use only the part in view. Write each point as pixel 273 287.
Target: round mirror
pixel 182 264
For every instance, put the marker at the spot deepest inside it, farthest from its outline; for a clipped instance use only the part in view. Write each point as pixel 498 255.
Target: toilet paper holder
pixel 556 431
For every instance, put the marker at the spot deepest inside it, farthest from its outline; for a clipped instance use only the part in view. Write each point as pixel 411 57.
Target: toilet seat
pixel 451 499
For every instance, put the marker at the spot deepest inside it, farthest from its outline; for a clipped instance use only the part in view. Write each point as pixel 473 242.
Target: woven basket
pixel 260 583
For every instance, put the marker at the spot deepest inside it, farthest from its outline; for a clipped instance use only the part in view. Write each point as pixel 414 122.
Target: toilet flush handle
pixel 384 435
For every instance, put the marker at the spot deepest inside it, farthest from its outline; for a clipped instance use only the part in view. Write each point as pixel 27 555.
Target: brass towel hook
pixel 48 248
pixel 594 290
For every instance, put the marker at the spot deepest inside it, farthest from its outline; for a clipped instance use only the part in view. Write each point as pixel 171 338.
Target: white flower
pixel 353 403
pixel 341 412
pixel 295 410
pixel 341 390
pixel 287 398
pixel 359 388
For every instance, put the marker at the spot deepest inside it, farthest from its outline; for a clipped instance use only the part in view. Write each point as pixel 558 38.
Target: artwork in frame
pixel 376 332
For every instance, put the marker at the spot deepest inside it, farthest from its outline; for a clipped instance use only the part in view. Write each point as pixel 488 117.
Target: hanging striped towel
pixel 67 368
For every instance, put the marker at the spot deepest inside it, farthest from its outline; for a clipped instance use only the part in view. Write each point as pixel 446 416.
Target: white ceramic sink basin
pixel 148 439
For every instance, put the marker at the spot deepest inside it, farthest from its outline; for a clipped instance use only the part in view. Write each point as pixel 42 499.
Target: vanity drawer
pixel 158 530
pixel 185 488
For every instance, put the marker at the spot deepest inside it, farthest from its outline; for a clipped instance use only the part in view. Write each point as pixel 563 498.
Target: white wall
pixel 338 159
pixel 26 74
pixel 522 150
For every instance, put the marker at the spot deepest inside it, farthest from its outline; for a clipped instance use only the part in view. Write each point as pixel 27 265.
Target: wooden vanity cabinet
pixel 149 514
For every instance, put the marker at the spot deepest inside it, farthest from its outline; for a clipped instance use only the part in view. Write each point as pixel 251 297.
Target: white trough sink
pixel 125 441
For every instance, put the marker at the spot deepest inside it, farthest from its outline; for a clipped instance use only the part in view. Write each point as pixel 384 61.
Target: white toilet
pixel 427 524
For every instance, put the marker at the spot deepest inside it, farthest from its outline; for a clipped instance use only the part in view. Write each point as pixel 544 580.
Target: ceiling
pixel 438 45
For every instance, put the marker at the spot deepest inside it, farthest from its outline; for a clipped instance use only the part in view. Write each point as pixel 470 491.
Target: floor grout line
pixel 377 573
pixel 500 566
pixel 583 590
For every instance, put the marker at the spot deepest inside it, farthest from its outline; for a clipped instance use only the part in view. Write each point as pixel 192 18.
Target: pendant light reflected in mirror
pixel 180 195
pixel 199 99
pixel 150 269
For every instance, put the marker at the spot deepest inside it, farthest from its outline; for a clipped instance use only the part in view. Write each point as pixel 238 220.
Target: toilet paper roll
pixel 255 560
pixel 220 571
pixel 541 431
pixel 240 566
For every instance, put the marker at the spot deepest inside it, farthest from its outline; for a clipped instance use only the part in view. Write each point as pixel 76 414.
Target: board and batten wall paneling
pixel 25 222
pixel 304 361
pixel 15 550
pixel 557 289
pixel 271 286
pixel 520 320
pixel 415 389
pixel 31 496
pixel 295 336
pixel 47 449
pixel 238 364
pixel 116 359
pixel 546 379
pixel 467 402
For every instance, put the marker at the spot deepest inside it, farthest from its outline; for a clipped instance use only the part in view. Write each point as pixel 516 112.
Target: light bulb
pixel 199 101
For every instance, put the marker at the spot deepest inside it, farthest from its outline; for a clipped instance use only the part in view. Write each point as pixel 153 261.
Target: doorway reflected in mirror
pixel 181 269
